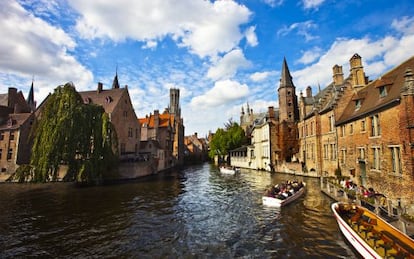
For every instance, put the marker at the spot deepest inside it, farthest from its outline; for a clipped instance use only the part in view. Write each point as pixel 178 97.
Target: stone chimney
pixel 357 71
pixel 156 118
pixel 338 75
pixel 271 112
pixel 100 86
pixel 308 91
pixel 12 96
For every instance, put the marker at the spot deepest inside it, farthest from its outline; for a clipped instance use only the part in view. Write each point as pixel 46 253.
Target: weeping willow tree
pixel 73 133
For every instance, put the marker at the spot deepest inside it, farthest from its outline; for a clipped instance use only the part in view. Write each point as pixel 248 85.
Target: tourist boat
pixel 229 170
pixel 276 202
pixel 371 235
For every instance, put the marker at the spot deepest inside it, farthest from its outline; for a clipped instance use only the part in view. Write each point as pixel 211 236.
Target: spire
pixel 286 78
pixel 30 98
pixel 115 83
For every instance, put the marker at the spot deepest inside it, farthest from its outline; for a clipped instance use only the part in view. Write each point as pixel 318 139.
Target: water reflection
pixel 197 212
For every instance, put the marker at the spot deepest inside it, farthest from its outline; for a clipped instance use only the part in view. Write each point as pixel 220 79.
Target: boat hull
pixel 275 202
pixel 356 241
pixel 224 170
pixel 371 235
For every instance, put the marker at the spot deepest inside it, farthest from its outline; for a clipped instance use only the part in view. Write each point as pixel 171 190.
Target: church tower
pixel 288 101
pixel 175 102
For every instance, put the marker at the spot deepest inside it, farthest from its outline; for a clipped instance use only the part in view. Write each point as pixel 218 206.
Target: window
pixel 342 130
pixel 122 148
pixel 375 126
pixel 125 114
pixel 343 156
pixel 1 152
pixel 357 104
pixel 333 151
pixel 361 153
pixel 351 129
pixel 331 123
pixel 9 154
pixel 311 128
pixel 11 136
pixel 306 131
pixel 363 126
pixel 383 91
pixel 312 151
pixel 376 158
pixel 2 136
pixel 325 151
pixel 396 160
pixel 130 132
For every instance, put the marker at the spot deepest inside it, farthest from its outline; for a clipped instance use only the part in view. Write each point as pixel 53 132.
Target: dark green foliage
pixel 73 133
pixel 22 174
pixel 225 140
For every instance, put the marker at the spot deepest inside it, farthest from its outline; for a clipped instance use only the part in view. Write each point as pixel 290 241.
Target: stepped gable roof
pixel 107 98
pixel 324 100
pixel 371 101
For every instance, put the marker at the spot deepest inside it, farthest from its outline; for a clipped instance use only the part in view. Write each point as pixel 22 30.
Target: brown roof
pixel 107 98
pixel 371 101
pixel 16 119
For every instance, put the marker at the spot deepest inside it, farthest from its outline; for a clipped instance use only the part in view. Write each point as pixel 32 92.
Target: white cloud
pixel 35 48
pixel 227 66
pixel 205 27
pixel 377 56
pixel 223 92
pixel 273 3
pixel 309 4
pixel 405 25
pixel 260 76
pixel 251 36
pixel 302 29
pixel 150 44
pixel 310 56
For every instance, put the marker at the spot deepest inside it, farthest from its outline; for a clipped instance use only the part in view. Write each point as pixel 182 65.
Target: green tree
pixel 224 140
pixel 73 133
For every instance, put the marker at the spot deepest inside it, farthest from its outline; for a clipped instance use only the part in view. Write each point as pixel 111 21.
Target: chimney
pixel 156 118
pixel 12 96
pixel 338 75
pixel 100 86
pixel 357 71
pixel 195 134
pixel 308 91
pixel 271 112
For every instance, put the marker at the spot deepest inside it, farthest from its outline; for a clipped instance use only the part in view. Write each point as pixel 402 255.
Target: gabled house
pixel 117 104
pixel 376 134
pixel 16 119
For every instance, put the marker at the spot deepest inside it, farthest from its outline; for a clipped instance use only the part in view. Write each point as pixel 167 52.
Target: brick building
pixel 117 104
pixel 376 134
pixel 16 119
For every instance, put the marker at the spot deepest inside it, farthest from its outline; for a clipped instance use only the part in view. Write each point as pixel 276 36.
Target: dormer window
pixel 108 99
pixel 382 91
pixel 357 104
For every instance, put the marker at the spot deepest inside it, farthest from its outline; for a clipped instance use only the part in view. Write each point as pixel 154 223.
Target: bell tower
pixel 288 101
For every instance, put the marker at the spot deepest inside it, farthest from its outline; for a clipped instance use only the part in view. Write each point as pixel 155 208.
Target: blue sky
pixel 220 54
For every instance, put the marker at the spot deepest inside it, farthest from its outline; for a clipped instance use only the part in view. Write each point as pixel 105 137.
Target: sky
pixel 220 54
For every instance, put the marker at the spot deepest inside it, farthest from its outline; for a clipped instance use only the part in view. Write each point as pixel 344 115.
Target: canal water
pixel 193 213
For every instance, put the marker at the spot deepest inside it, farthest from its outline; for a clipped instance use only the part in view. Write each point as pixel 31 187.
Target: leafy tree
pixel 224 140
pixel 73 133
